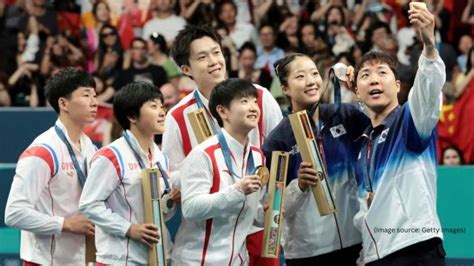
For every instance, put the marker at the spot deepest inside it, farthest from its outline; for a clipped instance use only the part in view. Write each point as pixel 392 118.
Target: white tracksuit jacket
pixel 112 198
pixel 217 217
pixel 46 189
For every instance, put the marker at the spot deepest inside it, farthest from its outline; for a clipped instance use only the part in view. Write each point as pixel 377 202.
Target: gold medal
pixel 263 173
pixel 370 198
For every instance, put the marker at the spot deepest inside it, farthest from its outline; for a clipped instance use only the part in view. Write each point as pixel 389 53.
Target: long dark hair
pixel 117 46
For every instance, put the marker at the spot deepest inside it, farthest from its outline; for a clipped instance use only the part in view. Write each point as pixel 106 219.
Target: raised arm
pixel 424 99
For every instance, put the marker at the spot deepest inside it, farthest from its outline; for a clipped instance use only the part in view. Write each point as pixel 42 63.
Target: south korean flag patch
pixel 338 131
pixel 383 136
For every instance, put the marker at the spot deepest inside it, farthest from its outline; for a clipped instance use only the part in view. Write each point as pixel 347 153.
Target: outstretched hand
pixel 424 23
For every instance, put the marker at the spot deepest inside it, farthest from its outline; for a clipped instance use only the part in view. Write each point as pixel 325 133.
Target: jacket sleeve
pixel 102 181
pixel 33 173
pixel 424 99
pixel 294 197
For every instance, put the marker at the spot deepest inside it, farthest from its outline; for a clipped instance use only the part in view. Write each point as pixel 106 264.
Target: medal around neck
pixel 276 204
pixel 263 173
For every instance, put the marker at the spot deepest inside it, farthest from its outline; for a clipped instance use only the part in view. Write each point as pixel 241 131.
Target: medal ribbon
pixel 143 166
pixel 80 174
pixel 227 157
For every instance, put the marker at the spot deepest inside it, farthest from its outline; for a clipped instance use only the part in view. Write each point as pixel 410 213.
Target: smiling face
pixel 377 87
pixel 241 115
pixel 206 63
pixel 151 120
pixel 304 83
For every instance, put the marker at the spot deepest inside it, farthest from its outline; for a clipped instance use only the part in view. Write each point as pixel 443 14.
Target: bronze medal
pixel 263 173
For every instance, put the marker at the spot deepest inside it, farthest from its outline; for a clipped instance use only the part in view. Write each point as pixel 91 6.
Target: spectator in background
pixel 375 35
pixel 319 14
pixel 377 9
pixel 464 80
pixel 198 12
pixel 287 37
pixel 442 17
pixel 23 69
pixel 312 43
pixel 159 55
pixel 268 53
pixel 451 156
pixel 240 32
pixel 46 17
pixel 247 69
pixel 465 44
pixel 164 21
pixel 101 12
pixel 229 50
pixel 335 32
pixel 60 53
pixel 109 56
pixel 171 96
pixel 468 13
pixel 4 96
pixel 140 69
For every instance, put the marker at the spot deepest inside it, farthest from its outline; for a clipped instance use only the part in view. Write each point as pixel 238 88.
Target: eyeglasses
pixel 107 34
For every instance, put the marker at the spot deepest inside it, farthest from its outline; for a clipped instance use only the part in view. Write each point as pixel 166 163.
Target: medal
pixel 263 174
pixel 370 198
pixel 167 204
pixel 340 70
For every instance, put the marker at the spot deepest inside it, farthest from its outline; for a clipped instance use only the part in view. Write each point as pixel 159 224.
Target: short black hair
pixel 182 43
pixel 267 24
pixel 221 4
pixel 248 46
pixel 228 90
pixel 138 39
pixel 64 83
pixel 130 98
pixel 380 58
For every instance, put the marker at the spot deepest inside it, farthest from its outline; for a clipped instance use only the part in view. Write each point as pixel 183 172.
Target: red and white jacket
pixel 113 200
pixel 179 138
pixel 217 216
pixel 46 189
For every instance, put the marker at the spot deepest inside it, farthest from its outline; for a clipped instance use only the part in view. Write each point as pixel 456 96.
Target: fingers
pixel 149 234
pixel 251 184
pixel 307 176
pixel 420 17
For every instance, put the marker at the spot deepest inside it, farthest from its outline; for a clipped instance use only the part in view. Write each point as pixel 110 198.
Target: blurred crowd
pixel 119 41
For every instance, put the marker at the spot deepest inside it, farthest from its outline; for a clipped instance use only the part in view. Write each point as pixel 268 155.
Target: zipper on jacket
pixel 233 234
